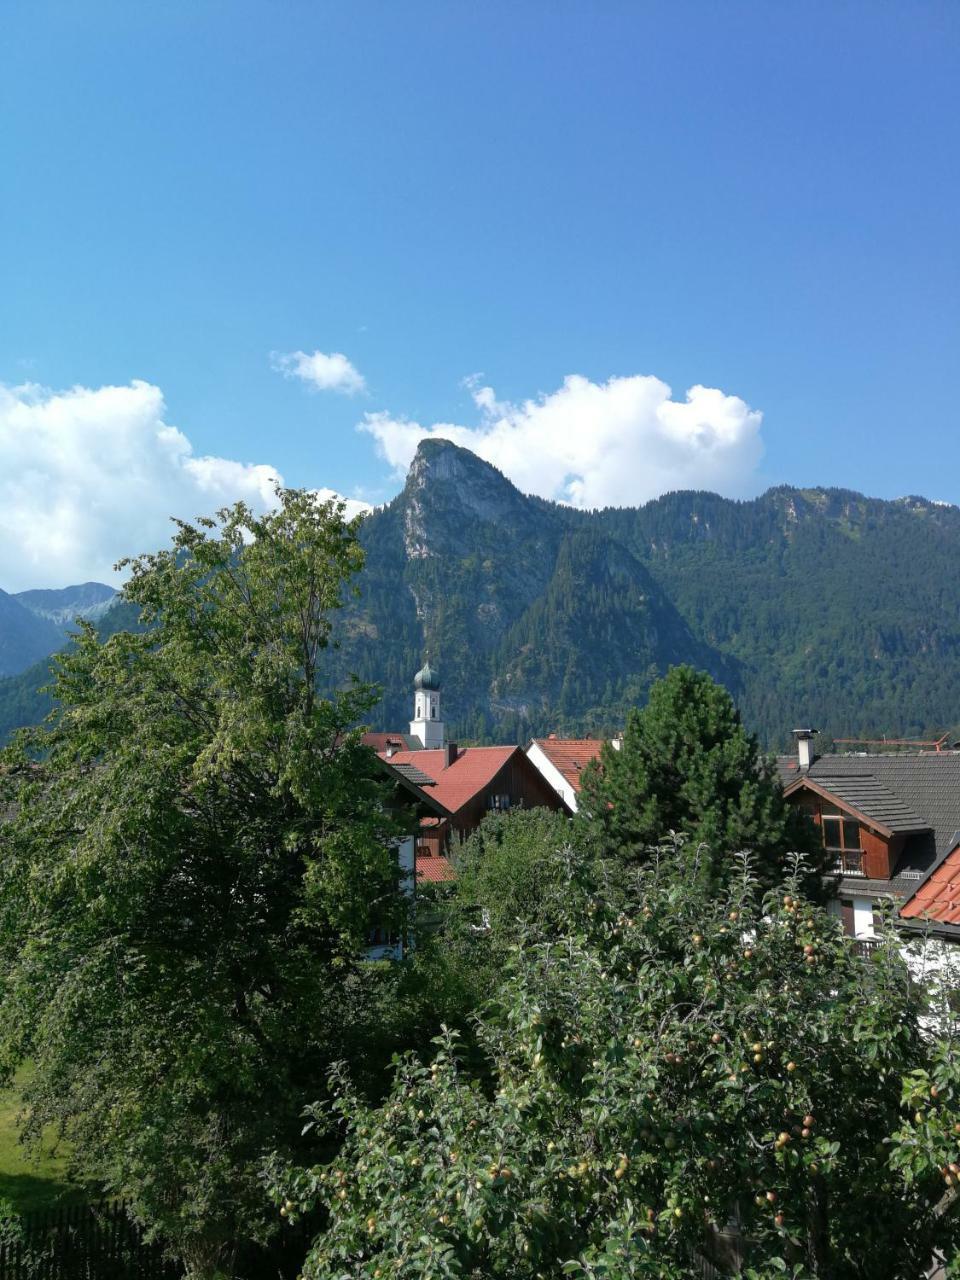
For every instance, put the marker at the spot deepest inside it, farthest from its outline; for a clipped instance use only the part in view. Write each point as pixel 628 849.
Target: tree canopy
pixel 193 846
pixel 686 764
pixel 690 1079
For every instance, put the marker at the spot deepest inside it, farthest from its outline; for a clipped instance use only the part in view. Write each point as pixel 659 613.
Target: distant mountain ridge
pixel 814 606
pixel 24 636
pixel 89 600
pixel 33 624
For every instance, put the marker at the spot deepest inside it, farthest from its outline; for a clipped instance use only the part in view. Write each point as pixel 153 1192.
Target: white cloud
pixel 616 443
pixel 351 506
pixel 90 475
pixel 322 372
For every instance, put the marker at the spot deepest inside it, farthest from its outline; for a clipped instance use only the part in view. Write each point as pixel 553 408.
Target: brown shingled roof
pixel 869 797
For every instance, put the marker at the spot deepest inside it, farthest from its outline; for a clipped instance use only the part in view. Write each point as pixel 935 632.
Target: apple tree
pixel 684 1082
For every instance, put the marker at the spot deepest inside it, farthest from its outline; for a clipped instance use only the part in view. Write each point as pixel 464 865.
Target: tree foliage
pixel 693 1077
pixel 193 845
pixel 687 764
pixel 507 876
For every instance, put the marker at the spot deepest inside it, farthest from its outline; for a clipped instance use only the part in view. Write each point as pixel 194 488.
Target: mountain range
pixel 814 607
pixel 33 624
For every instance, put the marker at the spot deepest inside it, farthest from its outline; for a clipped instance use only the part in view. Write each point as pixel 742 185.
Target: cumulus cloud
pixel 90 475
pixel 616 443
pixel 351 506
pixel 322 372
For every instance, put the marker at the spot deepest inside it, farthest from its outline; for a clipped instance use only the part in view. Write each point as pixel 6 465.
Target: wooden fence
pixel 80 1242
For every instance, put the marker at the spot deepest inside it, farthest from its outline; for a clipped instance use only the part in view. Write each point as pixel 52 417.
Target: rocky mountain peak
pixel 449 488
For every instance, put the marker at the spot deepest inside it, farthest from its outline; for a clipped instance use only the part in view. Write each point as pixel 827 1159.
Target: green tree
pixel 686 764
pixel 508 877
pixel 193 846
pixel 695 1077
pixel 516 876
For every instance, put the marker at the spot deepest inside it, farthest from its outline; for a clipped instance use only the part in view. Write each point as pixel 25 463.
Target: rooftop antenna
pixel 936 744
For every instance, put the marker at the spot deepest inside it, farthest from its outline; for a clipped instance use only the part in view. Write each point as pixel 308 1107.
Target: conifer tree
pixel 686 764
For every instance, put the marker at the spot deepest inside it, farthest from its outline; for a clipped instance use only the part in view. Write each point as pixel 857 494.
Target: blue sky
pixel 756 198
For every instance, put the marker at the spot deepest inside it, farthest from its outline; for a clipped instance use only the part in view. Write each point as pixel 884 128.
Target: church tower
pixel 426 723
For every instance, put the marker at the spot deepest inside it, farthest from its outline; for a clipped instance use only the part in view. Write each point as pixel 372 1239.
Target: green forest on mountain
pixel 815 606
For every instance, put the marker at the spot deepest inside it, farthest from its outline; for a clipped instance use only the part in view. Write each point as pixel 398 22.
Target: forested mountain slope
pixel 817 606
pixel 813 606
pixel 24 637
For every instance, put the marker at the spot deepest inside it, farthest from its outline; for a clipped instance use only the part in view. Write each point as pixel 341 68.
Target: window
pixel 841 835
pixel 498 802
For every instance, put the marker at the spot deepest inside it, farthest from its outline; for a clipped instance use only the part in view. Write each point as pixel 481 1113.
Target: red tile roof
pixel 457 784
pixel 434 868
pixel 938 898
pixel 570 755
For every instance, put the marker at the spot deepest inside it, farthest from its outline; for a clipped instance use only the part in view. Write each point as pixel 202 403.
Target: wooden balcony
pixel 848 862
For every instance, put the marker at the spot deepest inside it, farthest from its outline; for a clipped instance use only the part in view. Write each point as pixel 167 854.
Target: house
pixel 467 782
pixel 471 782
pixel 891 821
pixel 410 793
pixel 562 761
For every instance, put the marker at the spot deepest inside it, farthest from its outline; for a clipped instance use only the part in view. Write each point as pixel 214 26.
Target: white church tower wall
pixel 427 723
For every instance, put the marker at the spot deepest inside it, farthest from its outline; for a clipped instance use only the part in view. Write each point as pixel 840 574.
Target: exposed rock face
pixel 89 600
pixel 511 594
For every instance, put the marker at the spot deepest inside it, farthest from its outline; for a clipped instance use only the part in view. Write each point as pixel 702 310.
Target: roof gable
pixel 570 756
pixel 865 798
pixel 926 783
pixel 413 782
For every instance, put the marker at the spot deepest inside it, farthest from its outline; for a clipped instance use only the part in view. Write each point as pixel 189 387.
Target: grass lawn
pixel 29 1178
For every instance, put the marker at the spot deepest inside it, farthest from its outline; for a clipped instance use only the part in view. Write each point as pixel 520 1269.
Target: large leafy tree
pixel 686 764
pixel 192 849
pixel 694 1079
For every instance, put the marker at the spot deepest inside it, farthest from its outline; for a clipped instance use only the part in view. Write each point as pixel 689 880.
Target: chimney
pixel 392 748
pixel 805 752
pixel 450 754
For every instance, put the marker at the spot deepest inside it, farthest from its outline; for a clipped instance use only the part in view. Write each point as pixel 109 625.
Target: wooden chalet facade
pixel 471 782
pixel 890 820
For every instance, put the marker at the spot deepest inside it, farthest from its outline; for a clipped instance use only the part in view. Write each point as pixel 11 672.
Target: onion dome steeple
pixel 426 678
pixel 427 724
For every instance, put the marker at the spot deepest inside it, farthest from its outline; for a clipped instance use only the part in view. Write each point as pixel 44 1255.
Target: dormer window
pixel 841 837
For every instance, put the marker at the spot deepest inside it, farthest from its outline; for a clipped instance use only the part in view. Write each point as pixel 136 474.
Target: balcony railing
pixel 849 862
pixel 866 946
